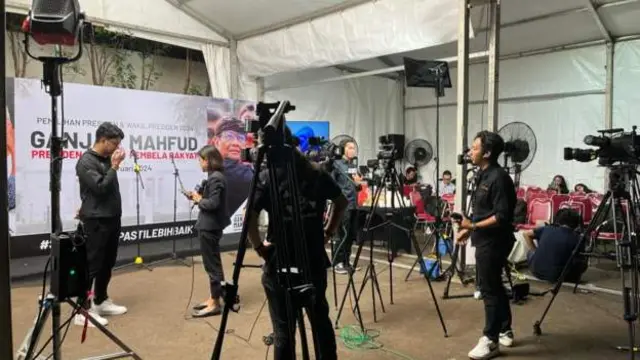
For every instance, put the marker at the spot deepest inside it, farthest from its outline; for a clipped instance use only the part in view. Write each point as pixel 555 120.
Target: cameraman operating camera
pixel 345 175
pixel 315 188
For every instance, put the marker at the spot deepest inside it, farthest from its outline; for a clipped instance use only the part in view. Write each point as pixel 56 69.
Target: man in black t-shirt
pixel 556 243
pixel 491 232
pixel 315 188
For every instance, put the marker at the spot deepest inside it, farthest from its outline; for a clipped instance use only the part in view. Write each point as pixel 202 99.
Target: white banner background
pixel 141 113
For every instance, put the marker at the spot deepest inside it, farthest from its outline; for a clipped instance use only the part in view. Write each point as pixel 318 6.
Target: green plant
pixel 107 56
pixel 123 73
pixel 149 51
pixel 196 90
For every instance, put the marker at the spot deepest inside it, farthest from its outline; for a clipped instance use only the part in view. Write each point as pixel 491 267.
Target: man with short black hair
pixel 346 176
pixel 446 185
pixel 100 212
pixel 491 232
pixel 315 187
pixel 555 244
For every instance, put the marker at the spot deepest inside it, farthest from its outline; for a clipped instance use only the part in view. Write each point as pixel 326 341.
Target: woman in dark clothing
pixel 212 219
pixel 559 184
pixel 582 188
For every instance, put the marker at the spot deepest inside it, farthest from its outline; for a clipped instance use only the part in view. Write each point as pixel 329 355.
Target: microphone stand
pixel 174 254
pixel 136 168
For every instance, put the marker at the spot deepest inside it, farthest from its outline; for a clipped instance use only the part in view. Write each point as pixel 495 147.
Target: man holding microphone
pixel 491 232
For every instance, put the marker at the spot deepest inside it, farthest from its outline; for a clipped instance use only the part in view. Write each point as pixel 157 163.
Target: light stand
pixel 431 74
pixel 136 168
pixel 6 340
pixel 50 305
pixel 174 254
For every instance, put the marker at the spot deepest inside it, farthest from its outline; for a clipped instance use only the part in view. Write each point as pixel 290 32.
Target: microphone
pixel 54 22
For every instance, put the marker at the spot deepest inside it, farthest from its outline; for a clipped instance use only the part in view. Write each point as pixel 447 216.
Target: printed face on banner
pixel 226 121
pixel 11 153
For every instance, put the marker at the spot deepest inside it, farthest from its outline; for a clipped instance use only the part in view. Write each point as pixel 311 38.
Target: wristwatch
pixel 473 227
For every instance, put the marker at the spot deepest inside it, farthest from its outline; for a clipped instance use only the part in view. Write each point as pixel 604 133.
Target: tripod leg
pixel 33 336
pixel 376 285
pixel 304 343
pixel 333 274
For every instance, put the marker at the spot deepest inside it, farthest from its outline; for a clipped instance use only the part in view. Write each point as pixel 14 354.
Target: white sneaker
pixel 506 339
pixel 477 295
pixel 108 308
pixel 486 349
pixel 80 319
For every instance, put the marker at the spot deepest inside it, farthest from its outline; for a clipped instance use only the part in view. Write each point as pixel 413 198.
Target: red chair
pixel 556 200
pixel 538 210
pixel 551 192
pixel 537 195
pixel 421 215
pixel 406 190
pixel 582 206
pixel 530 191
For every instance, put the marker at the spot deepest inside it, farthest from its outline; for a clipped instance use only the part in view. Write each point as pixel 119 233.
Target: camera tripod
pixel 620 201
pixel 287 271
pixel 50 305
pixel 176 181
pixel 390 176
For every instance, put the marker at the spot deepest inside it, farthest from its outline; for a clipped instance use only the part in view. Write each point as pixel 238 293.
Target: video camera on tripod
pixel 388 148
pixel 613 145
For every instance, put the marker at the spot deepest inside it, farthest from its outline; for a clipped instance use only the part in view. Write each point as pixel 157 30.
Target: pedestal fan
pixel 519 148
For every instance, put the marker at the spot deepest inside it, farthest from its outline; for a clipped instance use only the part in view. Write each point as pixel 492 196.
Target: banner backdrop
pixel 158 126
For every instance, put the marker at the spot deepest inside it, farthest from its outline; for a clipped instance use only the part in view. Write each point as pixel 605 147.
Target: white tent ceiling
pixel 287 28
pixel 530 26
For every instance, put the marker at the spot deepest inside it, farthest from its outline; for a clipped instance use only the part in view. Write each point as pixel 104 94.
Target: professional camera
pixel 613 146
pixel 388 150
pixel 464 158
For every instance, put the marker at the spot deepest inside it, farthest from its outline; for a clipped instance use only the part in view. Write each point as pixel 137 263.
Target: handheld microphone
pixel 136 167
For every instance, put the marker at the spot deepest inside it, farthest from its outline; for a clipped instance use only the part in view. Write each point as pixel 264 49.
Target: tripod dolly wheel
pixel 537 331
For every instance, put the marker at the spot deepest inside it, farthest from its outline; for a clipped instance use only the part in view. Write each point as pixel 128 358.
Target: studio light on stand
pixel 435 75
pixel 60 23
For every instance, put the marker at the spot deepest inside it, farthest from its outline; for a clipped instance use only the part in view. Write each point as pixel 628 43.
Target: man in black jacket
pixel 97 172
pixel 315 187
pixel 491 232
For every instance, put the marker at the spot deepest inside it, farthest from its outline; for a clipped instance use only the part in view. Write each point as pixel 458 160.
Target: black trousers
pixel 103 236
pixel 317 312
pixel 210 249
pixel 347 233
pixel 490 263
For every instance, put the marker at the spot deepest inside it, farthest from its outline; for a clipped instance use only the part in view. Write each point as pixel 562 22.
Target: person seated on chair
pixel 582 188
pixel 559 184
pixel 410 176
pixel 555 244
pixel 447 186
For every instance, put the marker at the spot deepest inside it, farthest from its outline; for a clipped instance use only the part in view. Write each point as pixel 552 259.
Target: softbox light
pixel 55 22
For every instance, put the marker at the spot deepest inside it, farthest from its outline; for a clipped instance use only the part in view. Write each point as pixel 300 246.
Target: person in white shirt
pixel 446 186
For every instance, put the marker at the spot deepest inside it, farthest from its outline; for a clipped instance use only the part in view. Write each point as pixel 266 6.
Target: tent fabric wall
pixel 559 95
pixel 363 108
pixel 218 61
pixel 626 97
pixel 374 29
